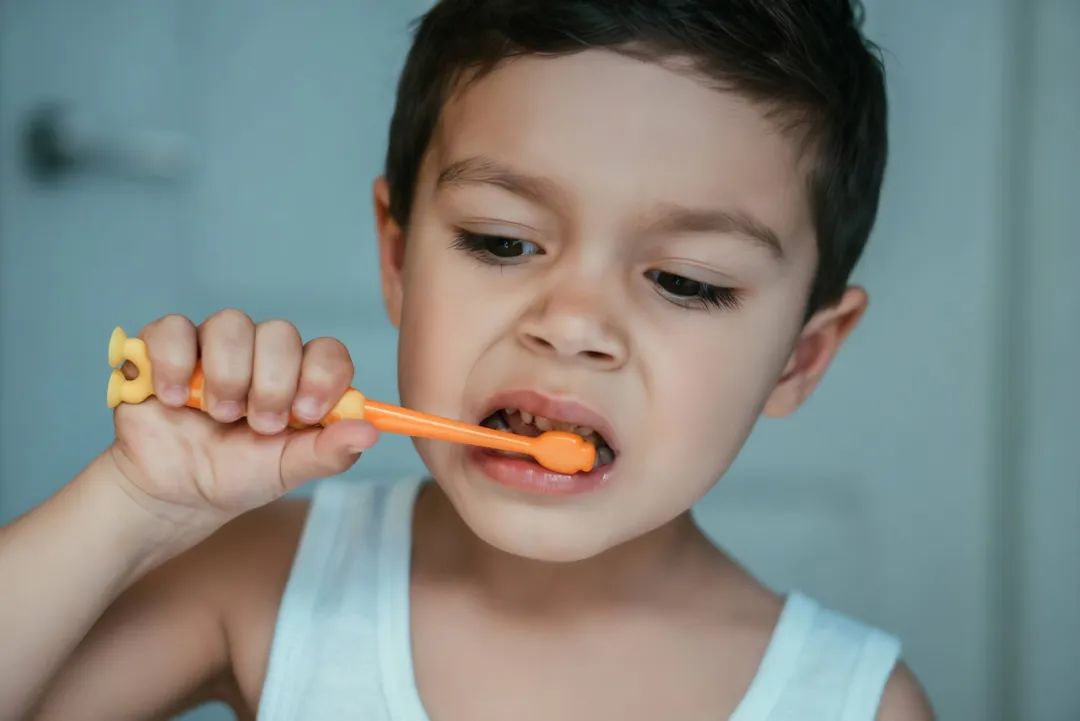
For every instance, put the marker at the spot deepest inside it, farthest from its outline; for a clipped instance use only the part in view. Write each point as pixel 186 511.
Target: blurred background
pixel 165 156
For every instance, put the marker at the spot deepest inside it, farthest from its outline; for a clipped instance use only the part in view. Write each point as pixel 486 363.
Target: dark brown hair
pixel 806 60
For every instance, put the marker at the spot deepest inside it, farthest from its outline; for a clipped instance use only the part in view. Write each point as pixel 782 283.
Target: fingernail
pixel 269 422
pixel 308 408
pixel 356 450
pixel 174 395
pixel 227 410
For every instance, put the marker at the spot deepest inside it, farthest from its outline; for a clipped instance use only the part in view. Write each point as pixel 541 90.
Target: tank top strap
pixel 819 664
pixel 339 621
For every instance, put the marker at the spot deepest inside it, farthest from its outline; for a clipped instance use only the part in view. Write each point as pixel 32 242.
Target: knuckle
pixel 277 358
pixel 227 343
pixel 229 319
pixel 329 345
pixel 174 322
pixel 172 338
pixel 171 347
pixel 331 352
pixel 150 331
pixel 279 327
pixel 327 365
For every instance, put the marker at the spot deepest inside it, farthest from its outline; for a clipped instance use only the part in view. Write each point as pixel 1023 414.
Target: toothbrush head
pixel 563 452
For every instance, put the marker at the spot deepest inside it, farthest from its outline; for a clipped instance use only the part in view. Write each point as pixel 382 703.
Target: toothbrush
pixel 558 451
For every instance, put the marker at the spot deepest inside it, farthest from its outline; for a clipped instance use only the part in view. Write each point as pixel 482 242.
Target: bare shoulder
pixel 903 698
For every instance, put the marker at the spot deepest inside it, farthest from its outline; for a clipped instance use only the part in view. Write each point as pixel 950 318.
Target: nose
pixel 573 328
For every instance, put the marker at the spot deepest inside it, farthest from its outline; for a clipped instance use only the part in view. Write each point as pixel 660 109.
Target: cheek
pixel 444 317
pixel 428 336
pixel 713 395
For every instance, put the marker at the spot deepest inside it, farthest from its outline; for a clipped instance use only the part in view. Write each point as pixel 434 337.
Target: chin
pixel 539 528
pixel 536 541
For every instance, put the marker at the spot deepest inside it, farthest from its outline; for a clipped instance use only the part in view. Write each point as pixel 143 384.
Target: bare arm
pixel 64 563
pixel 194 629
pixel 171 479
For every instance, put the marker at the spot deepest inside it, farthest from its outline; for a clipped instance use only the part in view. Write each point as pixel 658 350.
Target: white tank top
pixel 341 649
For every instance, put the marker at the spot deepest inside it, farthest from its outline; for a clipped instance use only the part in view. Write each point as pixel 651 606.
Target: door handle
pixel 58 142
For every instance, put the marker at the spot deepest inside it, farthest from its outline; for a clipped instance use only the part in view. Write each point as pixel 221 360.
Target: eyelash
pixel 478 245
pixel 706 296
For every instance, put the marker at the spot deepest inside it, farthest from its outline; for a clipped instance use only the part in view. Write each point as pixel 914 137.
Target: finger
pixel 325 375
pixel 172 347
pixel 227 346
pixel 274 375
pixel 318 453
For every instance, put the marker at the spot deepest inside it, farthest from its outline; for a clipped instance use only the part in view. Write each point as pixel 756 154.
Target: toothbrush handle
pixel 395 419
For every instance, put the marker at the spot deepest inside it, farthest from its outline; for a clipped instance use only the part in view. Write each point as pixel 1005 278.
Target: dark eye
pixel 494 248
pixel 691 293
pixel 678 285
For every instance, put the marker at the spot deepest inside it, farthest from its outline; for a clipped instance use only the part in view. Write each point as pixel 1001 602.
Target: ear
pixel 391 251
pixel 818 343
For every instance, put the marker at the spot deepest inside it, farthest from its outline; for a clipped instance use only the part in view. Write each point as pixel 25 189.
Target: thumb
pixel 321 452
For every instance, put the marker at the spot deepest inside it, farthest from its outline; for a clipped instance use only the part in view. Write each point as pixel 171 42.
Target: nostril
pixel 540 343
pixel 598 355
pixel 582 349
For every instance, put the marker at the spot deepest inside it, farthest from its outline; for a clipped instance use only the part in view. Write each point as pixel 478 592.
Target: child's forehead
pixel 606 128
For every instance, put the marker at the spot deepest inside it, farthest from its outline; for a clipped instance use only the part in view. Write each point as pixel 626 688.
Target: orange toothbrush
pixel 556 450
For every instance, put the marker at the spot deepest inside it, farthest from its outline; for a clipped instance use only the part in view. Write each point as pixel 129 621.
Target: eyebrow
pixel 670 218
pixel 677 219
pixel 486 171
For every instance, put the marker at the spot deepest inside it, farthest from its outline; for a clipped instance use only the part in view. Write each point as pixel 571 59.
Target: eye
pixel 494 249
pixel 691 293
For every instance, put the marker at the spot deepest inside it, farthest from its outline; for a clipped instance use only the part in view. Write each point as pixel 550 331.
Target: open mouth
pixel 524 423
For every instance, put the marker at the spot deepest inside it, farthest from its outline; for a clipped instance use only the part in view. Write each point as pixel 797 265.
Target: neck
pixel 647 570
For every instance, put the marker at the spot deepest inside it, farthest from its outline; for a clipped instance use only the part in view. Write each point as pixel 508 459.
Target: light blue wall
pixel 285 109
pixel 285 112
pixel 1047 501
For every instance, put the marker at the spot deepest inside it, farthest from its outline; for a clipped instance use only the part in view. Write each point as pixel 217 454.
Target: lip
pixel 565 410
pixel 529 476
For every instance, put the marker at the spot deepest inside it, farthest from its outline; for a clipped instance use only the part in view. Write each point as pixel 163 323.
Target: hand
pixel 204 468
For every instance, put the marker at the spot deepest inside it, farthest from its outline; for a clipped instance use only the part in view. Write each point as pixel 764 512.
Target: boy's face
pixel 611 233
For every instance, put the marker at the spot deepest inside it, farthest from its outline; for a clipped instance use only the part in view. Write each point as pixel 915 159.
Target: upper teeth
pixel 547 424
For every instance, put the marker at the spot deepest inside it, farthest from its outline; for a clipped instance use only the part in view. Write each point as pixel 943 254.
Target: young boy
pixel 635 219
